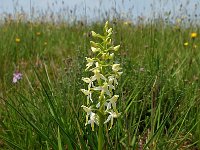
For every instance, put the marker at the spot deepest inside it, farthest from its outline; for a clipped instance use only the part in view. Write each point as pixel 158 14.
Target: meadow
pixel 159 90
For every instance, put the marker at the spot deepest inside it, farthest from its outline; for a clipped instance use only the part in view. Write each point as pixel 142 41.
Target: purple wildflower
pixel 17 76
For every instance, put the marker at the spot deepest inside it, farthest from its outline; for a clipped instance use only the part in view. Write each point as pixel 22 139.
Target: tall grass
pixel 159 89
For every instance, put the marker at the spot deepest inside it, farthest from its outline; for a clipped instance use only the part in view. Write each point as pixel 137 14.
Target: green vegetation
pixel 159 90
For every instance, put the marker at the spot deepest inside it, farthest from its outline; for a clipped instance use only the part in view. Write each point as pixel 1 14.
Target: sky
pixel 94 8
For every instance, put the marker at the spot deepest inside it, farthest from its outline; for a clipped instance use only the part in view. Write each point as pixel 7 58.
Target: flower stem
pixel 101 121
pixel 100 134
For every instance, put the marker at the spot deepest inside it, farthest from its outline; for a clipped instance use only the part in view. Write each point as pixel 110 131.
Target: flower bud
pixel 111 56
pixel 116 67
pixel 116 48
pixel 93 44
pixel 109 31
pixel 105 56
pixel 95 49
pixel 94 34
pixel 106 25
pixel 109 42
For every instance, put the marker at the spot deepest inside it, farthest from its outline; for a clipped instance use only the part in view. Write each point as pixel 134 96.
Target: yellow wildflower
pixel 186 44
pixel 17 40
pixel 45 43
pixel 193 35
pixel 38 33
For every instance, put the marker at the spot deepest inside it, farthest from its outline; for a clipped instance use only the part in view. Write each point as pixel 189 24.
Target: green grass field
pixel 159 88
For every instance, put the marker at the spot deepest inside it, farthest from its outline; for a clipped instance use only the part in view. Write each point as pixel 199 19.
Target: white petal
pixel 95 49
pixel 105 89
pixel 108 119
pixel 87 109
pixel 86 80
pixel 102 77
pixel 108 106
pixel 14 80
pixel 90 97
pixel 86 92
pixel 111 56
pixel 98 105
pixel 114 98
pixel 99 88
pixel 119 73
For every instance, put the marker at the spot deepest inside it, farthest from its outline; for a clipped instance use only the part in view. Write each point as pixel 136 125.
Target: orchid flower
pixel 88 110
pixel 97 75
pixel 112 102
pixel 90 63
pixel 103 89
pixel 89 81
pixel 111 117
pixel 89 95
pixel 102 83
pixel 93 119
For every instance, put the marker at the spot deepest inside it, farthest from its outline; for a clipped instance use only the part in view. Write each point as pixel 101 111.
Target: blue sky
pixel 91 8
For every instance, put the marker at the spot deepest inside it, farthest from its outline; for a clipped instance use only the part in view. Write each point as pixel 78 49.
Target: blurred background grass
pixel 159 89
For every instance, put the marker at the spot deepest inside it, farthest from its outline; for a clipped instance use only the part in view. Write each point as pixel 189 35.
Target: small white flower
pixel 98 104
pixel 114 80
pixel 111 79
pixel 111 117
pixel 97 67
pixel 103 89
pixel 88 110
pixel 90 62
pixel 116 67
pixel 112 101
pixel 97 75
pixel 89 81
pixel 93 119
pixel 89 95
